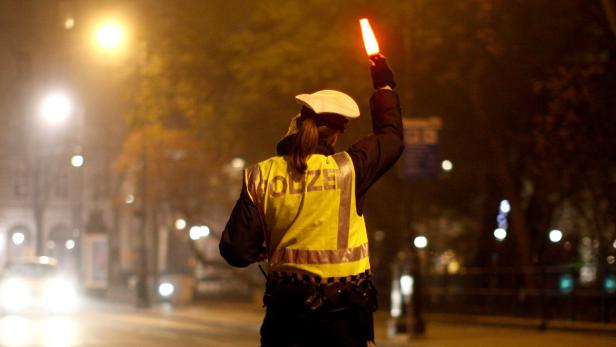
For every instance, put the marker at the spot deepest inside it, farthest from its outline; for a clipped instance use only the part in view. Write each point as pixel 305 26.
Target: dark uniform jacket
pixel 242 240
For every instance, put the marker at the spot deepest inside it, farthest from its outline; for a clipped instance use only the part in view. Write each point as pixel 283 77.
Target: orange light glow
pixel 370 42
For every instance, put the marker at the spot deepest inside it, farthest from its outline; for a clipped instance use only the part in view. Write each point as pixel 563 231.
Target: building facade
pixel 49 202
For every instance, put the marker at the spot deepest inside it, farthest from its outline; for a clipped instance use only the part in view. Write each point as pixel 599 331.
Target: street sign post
pixel 420 160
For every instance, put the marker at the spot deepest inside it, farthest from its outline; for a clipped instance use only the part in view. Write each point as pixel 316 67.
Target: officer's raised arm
pixel 374 154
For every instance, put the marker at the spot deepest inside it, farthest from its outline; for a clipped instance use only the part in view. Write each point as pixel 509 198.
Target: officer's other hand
pixel 382 75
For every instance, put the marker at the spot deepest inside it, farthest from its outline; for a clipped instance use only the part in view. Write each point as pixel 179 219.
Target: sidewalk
pixel 528 323
pixel 477 331
pixel 459 335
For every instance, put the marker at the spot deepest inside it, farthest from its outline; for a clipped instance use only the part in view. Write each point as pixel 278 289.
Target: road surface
pixel 237 325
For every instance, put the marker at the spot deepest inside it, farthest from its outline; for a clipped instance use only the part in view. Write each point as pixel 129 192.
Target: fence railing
pixel 556 293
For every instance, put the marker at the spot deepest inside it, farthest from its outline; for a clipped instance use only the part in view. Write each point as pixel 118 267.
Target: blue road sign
pixel 421 157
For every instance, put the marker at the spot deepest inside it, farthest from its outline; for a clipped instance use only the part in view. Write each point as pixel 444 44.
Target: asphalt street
pixel 226 324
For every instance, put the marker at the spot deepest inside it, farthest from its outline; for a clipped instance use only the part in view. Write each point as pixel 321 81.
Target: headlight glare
pixel 15 294
pixel 59 295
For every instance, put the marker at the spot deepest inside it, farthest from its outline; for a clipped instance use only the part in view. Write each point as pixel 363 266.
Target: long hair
pixel 311 128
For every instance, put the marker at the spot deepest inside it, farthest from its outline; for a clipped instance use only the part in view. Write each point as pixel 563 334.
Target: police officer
pixel 302 210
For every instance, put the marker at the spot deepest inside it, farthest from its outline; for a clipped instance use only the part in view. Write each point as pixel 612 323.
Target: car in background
pixel 35 285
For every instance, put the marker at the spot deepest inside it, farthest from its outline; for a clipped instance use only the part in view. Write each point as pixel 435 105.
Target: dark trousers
pixel 286 327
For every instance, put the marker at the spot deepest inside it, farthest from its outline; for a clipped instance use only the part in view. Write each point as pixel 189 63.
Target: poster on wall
pixel 95 260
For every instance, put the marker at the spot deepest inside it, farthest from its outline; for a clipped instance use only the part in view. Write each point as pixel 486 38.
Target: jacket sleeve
pixel 241 242
pixel 376 153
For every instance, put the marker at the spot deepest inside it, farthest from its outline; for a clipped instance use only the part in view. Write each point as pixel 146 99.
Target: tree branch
pixel 609 7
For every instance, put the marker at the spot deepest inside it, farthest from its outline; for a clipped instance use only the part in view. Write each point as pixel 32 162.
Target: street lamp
pixel 69 23
pixel 56 107
pixel 129 199
pixel 555 236
pixel 238 163
pixel 18 238
pixel 505 206
pixel 166 289
pixel 406 285
pixel 447 165
pixel 69 244
pixel 77 160
pixel 420 242
pixel 110 35
pixel 180 224
pixel 500 234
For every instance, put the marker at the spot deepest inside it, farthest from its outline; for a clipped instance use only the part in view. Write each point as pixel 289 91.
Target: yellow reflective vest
pixel 311 222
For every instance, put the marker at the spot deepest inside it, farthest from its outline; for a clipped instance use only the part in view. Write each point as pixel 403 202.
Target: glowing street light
pixel 129 199
pixel 447 165
pixel 420 242
pixel 500 234
pixel 555 235
pixel 180 224
pixel 69 244
pixel 56 107
pixel 238 163
pixel 69 23
pixel 18 238
pixel 406 285
pixel 505 206
pixel 110 35
pixel 77 160
pixel 166 289
pixel 453 267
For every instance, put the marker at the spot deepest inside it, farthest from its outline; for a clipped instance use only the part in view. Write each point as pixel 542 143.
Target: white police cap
pixel 330 101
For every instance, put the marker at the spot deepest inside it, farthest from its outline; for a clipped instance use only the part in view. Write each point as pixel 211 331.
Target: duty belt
pixel 316 294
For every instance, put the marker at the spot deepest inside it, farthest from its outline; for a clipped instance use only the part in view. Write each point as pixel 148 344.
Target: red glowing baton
pixel 370 42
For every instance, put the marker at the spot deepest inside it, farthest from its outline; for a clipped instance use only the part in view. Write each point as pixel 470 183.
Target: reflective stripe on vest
pixel 305 256
pixel 346 180
pixel 311 220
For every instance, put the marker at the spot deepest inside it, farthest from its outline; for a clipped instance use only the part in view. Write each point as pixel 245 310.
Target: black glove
pixel 381 73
